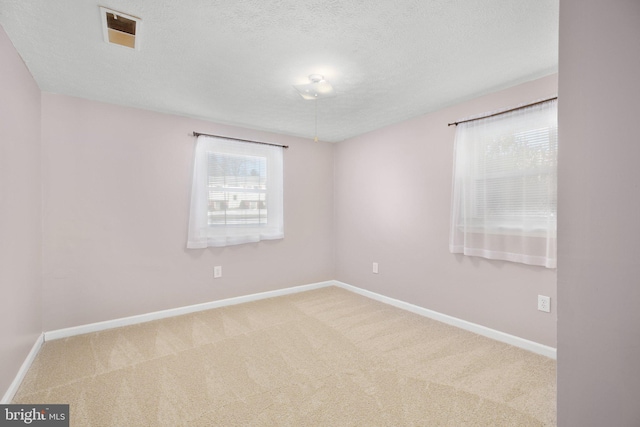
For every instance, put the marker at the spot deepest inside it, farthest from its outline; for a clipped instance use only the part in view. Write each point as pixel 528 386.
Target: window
pixel 236 193
pixel 505 186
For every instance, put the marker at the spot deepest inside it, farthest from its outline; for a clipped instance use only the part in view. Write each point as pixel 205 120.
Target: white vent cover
pixel 120 28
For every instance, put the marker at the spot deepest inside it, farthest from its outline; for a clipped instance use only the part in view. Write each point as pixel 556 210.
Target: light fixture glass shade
pixel 317 89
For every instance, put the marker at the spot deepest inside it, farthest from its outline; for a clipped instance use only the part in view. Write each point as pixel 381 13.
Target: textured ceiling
pixel 235 61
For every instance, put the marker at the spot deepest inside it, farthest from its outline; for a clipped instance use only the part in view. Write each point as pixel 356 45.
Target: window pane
pixel 514 178
pixel 237 189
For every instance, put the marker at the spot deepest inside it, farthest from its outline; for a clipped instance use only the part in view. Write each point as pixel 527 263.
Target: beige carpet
pixel 326 357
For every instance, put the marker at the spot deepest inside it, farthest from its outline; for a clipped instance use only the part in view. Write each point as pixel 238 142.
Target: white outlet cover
pixel 375 268
pixel 544 303
pixel 217 272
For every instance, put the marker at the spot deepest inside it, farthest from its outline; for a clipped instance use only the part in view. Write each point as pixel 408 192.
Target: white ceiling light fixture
pixel 318 88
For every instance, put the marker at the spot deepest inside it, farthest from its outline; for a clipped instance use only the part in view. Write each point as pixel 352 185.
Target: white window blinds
pixel 505 186
pixel 237 193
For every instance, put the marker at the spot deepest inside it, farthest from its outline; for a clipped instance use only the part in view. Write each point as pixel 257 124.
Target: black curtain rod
pixel 503 112
pixel 238 139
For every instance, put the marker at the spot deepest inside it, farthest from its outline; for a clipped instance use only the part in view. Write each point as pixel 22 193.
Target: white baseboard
pixel 147 317
pixel 15 384
pixel 454 321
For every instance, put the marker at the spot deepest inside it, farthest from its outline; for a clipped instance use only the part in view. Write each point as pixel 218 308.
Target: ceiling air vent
pixel 120 28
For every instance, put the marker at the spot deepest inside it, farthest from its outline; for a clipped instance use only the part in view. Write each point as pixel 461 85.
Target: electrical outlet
pixel 375 268
pixel 217 271
pixel 544 303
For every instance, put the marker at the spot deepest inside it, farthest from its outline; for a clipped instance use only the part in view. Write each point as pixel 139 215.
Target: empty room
pixel 319 213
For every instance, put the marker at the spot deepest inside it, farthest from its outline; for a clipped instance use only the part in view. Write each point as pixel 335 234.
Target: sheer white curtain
pixel 505 186
pixel 237 193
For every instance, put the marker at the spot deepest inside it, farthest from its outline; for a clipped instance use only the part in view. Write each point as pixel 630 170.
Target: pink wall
pixel 599 214
pixel 20 212
pixel 116 184
pixel 393 199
